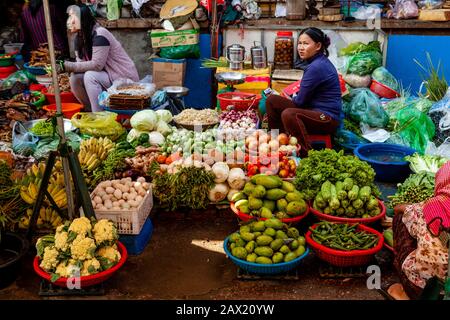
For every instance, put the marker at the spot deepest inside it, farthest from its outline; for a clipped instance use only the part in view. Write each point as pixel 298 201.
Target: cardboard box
pixel 168 72
pixel 189 33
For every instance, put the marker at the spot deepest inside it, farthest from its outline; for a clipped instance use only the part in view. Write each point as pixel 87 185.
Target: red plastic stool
pixel 323 139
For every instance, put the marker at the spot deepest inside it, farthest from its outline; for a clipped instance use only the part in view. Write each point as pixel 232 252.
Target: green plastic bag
pixel 416 128
pixel 366 107
pixel 383 76
pixel 181 52
pixel 22 76
pixel 358 47
pixel 364 63
pixel 113 9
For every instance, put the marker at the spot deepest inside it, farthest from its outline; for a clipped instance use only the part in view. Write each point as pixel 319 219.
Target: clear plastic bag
pixel 430 4
pixel 364 63
pixel 383 76
pixel 404 9
pixel 21 76
pixel 23 141
pixel 348 140
pixel 127 86
pixel 366 107
pixel 98 124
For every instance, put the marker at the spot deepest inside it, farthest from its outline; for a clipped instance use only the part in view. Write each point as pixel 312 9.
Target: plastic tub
pixel 13 47
pixel 258 268
pixel 14 248
pixel 6 62
pixel 66 97
pixel 38 71
pixel 5 72
pixel 68 109
pixel 243 102
pixel 246 217
pixel 386 159
pixel 383 91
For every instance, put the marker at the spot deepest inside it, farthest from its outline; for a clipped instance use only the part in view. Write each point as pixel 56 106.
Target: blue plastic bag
pixel 23 141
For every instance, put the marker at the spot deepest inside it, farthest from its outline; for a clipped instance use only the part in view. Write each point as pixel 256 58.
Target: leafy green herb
pixel 434 79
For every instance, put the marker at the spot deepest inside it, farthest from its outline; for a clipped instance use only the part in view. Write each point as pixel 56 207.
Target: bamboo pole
pixel 60 121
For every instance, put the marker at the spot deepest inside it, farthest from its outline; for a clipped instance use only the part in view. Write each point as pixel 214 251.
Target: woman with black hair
pixel 100 58
pixel 33 32
pixel 317 107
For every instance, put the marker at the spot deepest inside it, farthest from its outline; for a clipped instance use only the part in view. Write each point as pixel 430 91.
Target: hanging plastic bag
pixel 383 76
pixel 23 141
pixel 364 63
pixel 367 12
pixel 416 128
pixel 181 52
pixel 113 9
pixel 98 124
pixel 403 9
pixel 366 107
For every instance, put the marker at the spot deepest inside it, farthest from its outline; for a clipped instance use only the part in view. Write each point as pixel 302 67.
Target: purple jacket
pixel 107 55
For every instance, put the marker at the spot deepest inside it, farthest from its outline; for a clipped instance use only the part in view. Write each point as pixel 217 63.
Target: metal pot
pixel 236 56
pixel 259 57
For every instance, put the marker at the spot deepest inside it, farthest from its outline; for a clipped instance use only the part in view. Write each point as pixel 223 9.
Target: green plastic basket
pixel 6 62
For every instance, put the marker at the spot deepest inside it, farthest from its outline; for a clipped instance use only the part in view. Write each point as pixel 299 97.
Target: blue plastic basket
pixel 386 170
pixel 136 244
pixel 38 71
pixel 264 268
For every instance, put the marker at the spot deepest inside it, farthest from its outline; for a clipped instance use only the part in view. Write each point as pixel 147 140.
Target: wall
pixel 403 49
pixel 137 44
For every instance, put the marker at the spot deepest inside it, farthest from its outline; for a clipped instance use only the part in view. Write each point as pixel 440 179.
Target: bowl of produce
pixel 192 118
pixel 266 247
pixel 68 109
pixel 382 90
pixel 238 100
pixel 387 160
pixel 6 60
pixel 13 248
pixel 38 71
pixel 344 245
pixel 365 219
pixel 43 128
pixel 265 197
pixel 95 253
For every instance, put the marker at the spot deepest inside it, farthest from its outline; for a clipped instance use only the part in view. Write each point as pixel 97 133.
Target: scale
pixel 175 94
pixel 230 79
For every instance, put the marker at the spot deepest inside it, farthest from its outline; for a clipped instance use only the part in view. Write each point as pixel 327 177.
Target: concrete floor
pixel 185 260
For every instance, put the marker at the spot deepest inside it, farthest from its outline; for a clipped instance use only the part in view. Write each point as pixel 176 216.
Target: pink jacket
pixel 107 55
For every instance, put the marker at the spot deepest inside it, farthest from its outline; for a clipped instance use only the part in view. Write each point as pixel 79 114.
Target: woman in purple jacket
pixel 317 107
pixel 100 58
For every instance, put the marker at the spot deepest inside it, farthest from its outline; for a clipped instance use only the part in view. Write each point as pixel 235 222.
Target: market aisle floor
pixel 185 260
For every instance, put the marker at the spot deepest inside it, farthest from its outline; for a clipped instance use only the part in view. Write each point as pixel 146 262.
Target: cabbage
pixel 164 115
pixel 133 135
pixel 144 120
pixel 163 128
pixel 156 138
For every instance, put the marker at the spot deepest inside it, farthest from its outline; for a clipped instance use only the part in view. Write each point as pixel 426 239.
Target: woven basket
pixel 128 102
pixel 341 258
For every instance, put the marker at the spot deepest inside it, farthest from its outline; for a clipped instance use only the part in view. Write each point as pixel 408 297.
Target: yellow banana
pixel 32 190
pixel 26 197
pixel 56 222
pixel 40 223
pixel 42 168
pixel 29 212
pixel 35 170
pixel 24 222
pixel 42 214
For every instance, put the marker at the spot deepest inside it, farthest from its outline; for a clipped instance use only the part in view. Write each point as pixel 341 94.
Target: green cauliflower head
pixel 50 259
pixel 82 248
pixel 105 232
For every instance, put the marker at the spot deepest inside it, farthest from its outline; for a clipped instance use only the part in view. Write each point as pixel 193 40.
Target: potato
pixel 125 196
pixel 139 199
pixel 106 197
pixel 116 204
pixel 110 190
pixel 118 194
pixel 121 201
pixel 97 199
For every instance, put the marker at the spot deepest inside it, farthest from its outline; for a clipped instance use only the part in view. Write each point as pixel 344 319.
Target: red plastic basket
pixel 329 217
pixel 245 100
pixel 247 217
pixel 85 281
pixel 66 97
pixel 341 258
pixel 383 91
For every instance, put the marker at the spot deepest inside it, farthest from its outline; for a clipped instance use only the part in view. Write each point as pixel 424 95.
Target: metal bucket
pixel 236 56
pixel 259 57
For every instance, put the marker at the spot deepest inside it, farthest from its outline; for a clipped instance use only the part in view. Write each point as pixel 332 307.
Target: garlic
pixel 146 185
pixel 108 204
pixel 121 201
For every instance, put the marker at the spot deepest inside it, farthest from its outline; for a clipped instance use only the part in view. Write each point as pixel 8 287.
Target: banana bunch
pixel 48 218
pixel 93 151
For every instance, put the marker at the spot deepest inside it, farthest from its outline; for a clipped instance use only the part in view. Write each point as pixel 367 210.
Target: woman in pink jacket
pixel 100 58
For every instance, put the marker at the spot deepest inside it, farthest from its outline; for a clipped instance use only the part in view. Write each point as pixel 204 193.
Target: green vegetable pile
pixel 189 187
pixel 346 199
pixel 428 163
pixel 267 242
pixel 328 164
pixel 344 236
pixel 417 188
pixel 43 128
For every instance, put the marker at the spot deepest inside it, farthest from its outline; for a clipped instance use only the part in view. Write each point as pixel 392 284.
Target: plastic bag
pixel 162 101
pixel 404 9
pixel 358 47
pixel 98 124
pixel 21 76
pixel 364 63
pixel 416 128
pixel 23 141
pixel 367 12
pixel 113 9
pixel 46 145
pixel 181 52
pixel 366 107
pixel 357 81
pixel 383 76
pixel 423 104
pixel 443 150
pixel 348 140
pixel 430 4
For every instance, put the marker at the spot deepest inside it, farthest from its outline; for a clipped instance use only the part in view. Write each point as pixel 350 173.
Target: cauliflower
pixel 91 266
pixel 50 258
pixel 82 248
pixel 105 232
pixel 68 269
pixel 81 226
pixel 61 242
pixel 108 256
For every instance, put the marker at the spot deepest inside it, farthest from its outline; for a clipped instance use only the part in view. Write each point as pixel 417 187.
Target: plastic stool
pixel 321 140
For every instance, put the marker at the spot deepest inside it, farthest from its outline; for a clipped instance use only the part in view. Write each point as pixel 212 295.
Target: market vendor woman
pixel 101 59
pixel 316 109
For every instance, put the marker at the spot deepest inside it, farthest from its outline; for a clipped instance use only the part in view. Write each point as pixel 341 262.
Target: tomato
pixel 161 159
pixel 283 173
pixel 252 170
